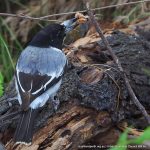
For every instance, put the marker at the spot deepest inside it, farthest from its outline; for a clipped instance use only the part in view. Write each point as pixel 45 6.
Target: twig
pixel 119 91
pixel 115 82
pixel 105 65
pixel 26 17
pixel 116 60
pixel 44 18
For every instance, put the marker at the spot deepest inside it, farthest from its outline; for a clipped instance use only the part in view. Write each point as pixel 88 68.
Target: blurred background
pixel 15 32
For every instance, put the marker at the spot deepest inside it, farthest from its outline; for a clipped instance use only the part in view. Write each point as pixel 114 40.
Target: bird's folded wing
pixel 37 70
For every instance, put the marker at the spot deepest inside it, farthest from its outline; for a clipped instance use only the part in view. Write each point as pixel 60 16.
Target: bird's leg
pixel 55 102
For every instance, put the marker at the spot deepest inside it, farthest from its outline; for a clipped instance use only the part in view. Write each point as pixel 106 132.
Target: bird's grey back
pixel 41 61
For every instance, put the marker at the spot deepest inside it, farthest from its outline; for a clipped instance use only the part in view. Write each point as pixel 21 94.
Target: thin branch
pixel 95 9
pixel 26 17
pixel 44 18
pixel 116 60
pixel 105 65
pixel 119 91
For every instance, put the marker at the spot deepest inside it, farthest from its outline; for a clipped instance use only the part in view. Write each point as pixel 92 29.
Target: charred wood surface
pixel 93 98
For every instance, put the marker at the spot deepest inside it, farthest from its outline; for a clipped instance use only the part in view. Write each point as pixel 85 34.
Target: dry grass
pixel 16 32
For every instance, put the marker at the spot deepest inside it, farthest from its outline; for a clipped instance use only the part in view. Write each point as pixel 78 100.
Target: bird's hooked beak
pixel 69 24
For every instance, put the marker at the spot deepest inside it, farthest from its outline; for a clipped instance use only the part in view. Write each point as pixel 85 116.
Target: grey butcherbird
pixel 38 75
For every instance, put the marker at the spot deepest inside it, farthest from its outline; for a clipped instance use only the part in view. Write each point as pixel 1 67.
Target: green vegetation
pixel 123 141
pixel 7 60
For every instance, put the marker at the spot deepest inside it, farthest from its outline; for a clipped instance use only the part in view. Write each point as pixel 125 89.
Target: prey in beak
pixel 70 24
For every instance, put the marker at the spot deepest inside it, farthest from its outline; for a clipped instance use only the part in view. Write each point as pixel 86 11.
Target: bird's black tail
pixel 24 131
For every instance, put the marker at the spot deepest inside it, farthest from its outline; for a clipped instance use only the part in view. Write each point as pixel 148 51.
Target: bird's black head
pixel 53 34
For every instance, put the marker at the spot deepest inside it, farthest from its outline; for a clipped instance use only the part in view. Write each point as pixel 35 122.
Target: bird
pixel 38 75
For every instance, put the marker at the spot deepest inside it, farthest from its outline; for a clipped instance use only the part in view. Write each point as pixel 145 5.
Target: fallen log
pixel 93 98
pixel 68 129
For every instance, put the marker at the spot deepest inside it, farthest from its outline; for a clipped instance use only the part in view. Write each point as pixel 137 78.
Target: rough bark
pixel 74 124
pixel 68 129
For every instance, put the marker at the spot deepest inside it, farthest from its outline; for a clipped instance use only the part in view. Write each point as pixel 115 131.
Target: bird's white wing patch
pixel 19 81
pixel 18 93
pixel 53 75
pixel 38 90
pixel 44 86
pixel 42 99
